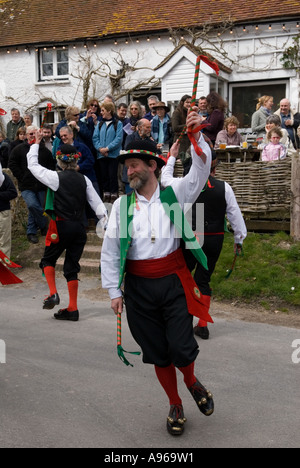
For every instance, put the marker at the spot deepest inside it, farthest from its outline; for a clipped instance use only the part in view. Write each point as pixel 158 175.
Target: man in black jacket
pixel 7 193
pixel 32 190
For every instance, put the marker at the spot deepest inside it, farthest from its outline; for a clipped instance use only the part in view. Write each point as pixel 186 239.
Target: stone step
pixel 94 239
pixel 92 252
pixel 88 266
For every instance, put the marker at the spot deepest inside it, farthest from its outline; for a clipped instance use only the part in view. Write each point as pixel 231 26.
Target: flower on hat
pixel 68 158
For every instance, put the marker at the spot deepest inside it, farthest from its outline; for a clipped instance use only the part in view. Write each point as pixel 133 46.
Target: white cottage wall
pixel 255 57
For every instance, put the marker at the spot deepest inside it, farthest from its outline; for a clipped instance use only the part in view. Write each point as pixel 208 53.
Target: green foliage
pixel 291 56
pixel 269 269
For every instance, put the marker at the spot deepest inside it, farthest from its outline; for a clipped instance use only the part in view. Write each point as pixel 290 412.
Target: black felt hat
pixel 142 149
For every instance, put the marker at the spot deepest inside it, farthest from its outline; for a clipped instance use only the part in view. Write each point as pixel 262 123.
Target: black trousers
pixel 212 248
pixel 159 320
pixel 72 239
pixel 108 168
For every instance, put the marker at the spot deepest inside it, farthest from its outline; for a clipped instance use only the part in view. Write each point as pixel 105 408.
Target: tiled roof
pixel 36 21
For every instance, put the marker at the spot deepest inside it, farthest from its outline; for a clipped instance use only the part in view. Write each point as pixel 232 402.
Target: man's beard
pixel 137 181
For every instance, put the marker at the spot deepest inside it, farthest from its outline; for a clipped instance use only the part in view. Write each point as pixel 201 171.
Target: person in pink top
pixel 274 150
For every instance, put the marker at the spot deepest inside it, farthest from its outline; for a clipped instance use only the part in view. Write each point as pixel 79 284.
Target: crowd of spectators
pixel 104 129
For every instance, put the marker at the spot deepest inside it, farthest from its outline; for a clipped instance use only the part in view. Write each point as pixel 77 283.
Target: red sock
pixel 73 294
pixel 202 324
pixel 189 375
pixel 168 380
pixel 49 273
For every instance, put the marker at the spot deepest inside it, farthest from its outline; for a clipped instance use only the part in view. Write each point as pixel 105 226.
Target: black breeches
pixel 212 248
pixel 72 239
pixel 159 320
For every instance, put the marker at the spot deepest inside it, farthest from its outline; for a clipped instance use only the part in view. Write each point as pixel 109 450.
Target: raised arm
pixel 187 189
pixel 45 176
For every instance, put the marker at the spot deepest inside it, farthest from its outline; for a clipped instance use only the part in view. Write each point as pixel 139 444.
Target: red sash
pixel 198 304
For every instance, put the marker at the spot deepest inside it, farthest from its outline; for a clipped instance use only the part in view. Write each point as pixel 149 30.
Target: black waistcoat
pixel 70 198
pixel 213 198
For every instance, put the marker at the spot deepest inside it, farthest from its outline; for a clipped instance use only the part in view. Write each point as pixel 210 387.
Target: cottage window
pixel 54 64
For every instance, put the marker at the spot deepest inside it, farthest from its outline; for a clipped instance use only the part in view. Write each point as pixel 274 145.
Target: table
pixel 236 154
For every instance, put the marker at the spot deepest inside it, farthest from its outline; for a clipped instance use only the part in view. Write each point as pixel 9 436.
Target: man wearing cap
pixel 66 202
pixel 159 292
pixel 219 200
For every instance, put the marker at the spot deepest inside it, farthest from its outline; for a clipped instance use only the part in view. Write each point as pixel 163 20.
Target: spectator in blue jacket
pixel 107 139
pixel 161 126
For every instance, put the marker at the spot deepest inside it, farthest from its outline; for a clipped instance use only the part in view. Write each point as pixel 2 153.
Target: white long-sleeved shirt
pixel 51 180
pixel 150 222
pixel 233 211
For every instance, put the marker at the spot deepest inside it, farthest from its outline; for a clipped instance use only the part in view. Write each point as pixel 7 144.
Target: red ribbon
pixel 192 139
pixel 210 63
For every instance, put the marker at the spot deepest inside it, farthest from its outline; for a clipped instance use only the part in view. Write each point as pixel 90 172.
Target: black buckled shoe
pixel 64 314
pixel 203 332
pixel 176 420
pixel 203 398
pixel 51 301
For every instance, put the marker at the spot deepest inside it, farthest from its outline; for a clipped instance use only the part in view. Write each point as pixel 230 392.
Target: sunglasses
pixel 94 105
pixel 76 115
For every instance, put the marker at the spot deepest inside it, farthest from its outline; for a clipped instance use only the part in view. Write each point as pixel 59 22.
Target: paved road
pixel 64 386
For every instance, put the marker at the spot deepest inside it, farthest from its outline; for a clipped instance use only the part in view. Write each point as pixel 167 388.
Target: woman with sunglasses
pixel 92 115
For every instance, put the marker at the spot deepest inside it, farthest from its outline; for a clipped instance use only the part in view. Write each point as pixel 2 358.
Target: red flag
pixel 7 277
pixel 7 261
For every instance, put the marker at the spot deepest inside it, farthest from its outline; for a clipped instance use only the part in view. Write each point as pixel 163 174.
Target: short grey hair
pixel 155 98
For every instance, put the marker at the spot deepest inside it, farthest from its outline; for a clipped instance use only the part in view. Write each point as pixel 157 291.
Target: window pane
pixel 245 98
pixel 62 56
pixel 47 69
pixel 47 56
pixel 62 69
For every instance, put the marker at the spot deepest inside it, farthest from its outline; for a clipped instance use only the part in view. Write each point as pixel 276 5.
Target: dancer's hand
pixel 117 305
pixel 174 151
pixel 38 136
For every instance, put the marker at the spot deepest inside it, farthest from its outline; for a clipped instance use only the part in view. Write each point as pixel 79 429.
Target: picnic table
pixel 238 154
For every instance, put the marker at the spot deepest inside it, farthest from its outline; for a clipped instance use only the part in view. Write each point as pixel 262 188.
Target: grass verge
pixel 269 271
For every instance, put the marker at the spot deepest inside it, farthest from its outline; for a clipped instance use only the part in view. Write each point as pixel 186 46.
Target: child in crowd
pixel 274 150
pixel 7 193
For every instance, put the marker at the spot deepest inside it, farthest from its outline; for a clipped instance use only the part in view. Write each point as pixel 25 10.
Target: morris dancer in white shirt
pixel 67 230
pixel 160 294
pixel 219 200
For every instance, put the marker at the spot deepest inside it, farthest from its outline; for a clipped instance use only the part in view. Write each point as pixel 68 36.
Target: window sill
pixel 53 82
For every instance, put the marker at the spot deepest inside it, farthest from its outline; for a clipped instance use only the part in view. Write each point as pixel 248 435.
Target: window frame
pixel 55 76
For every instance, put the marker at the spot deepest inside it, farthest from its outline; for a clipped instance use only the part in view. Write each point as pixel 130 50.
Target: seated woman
pixel 274 150
pixel 229 135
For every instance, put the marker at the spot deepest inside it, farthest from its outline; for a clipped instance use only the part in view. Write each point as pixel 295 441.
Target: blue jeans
pixel 35 203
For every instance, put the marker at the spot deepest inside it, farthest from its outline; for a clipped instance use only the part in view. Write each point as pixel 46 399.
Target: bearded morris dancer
pixel 70 192
pixel 160 294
